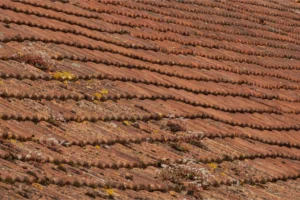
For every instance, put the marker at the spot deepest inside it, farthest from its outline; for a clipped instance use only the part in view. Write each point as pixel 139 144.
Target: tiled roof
pixel 149 99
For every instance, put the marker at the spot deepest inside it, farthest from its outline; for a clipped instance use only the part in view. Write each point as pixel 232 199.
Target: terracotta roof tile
pixel 149 99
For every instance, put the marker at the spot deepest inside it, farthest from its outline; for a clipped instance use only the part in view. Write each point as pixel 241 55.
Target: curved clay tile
pixel 146 99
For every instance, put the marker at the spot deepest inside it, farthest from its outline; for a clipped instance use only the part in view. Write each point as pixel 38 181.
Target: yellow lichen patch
pixel 223 174
pixel 38 186
pixel 173 193
pixel 64 76
pixel 160 115
pixel 109 191
pixel 104 91
pixel 16 142
pixel 97 95
pixel 213 166
pixel 97 146
pixel 1 82
pixel 127 123
pixel 19 53
pixel 120 130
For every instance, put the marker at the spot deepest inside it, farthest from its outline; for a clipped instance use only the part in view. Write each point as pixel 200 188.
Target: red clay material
pixel 144 99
